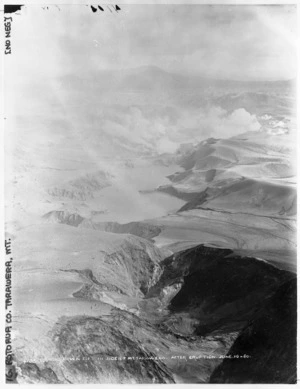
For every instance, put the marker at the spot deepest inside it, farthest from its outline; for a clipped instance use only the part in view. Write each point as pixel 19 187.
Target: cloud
pixel 216 122
pixel 165 145
pixel 240 121
pixel 162 133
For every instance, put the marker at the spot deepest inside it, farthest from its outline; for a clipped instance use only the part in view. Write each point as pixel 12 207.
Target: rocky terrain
pixel 246 183
pixel 239 174
pixel 189 311
pixel 215 288
pixel 154 231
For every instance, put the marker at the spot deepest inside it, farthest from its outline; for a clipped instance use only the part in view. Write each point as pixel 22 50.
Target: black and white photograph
pixel 150 193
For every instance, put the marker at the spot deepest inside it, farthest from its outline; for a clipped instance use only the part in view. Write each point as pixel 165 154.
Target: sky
pixel 232 42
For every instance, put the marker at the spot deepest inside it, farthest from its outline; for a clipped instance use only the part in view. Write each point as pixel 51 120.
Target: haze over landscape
pixel 151 194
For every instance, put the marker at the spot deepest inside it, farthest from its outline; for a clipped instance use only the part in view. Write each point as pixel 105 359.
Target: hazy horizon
pixel 199 75
pixel 240 42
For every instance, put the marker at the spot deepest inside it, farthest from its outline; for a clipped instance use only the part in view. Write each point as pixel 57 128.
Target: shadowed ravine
pixel 205 303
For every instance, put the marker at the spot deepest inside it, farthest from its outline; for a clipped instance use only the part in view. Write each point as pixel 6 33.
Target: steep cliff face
pixel 220 290
pixel 192 304
pixel 270 339
pixel 125 262
pixel 197 303
pixel 82 275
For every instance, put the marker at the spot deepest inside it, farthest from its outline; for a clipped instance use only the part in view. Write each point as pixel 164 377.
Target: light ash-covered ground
pixel 108 231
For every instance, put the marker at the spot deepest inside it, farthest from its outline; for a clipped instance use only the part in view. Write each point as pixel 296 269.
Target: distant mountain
pixel 154 78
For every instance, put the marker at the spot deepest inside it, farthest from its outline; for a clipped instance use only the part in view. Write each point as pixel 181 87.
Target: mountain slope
pixel 92 351
pixel 270 340
pixel 48 253
pixel 214 288
pixel 247 174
